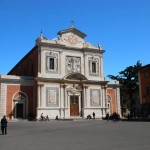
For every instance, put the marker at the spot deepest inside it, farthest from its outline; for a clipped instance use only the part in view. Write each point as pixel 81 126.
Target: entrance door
pixel 19 110
pixel 74 105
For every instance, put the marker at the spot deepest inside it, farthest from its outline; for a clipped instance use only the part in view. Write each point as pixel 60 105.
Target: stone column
pixel 39 95
pixel 103 101
pixel 85 87
pixel 101 67
pixel 61 100
pixel 60 63
pixel 42 96
pixel 43 62
pixel 118 101
pixel 40 91
pixel 3 100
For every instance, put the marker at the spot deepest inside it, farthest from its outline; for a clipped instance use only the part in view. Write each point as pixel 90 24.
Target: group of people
pixel 4 125
pixel 114 117
pixel 90 117
pixel 43 118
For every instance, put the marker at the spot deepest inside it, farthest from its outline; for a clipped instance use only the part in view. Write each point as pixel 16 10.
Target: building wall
pixel 61 56
pixel 112 94
pixel 50 90
pixel 12 87
pixel 144 76
pixel 28 65
pixel 12 90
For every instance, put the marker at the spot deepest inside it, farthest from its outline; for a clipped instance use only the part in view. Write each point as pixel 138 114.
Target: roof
pixel 143 67
pixel 73 30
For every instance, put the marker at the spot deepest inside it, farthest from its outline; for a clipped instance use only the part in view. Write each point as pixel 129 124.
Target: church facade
pixel 61 77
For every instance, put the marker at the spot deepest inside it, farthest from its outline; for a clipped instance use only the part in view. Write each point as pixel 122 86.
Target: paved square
pixel 76 135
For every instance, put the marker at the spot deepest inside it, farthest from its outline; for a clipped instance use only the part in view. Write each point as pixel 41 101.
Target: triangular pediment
pixel 73 37
pixel 70 37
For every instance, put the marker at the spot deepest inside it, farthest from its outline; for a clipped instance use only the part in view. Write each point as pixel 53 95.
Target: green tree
pixel 128 78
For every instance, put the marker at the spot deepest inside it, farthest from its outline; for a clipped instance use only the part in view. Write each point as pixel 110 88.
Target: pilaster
pixel 2 100
pixel 85 87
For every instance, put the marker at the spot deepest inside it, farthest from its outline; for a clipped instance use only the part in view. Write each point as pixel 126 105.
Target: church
pixel 61 77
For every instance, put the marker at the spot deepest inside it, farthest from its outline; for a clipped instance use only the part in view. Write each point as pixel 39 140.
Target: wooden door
pixel 74 105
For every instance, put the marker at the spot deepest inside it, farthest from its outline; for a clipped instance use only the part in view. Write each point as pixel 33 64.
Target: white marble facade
pixel 70 78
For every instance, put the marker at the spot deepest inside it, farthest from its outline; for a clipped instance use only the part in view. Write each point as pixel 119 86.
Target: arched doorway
pixel 20 109
pixel 75 94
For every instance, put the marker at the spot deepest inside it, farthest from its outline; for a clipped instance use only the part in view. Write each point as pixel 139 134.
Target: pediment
pixel 19 96
pixel 72 37
pixel 75 76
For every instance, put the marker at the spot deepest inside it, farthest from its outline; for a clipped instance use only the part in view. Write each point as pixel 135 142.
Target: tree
pixel 128 78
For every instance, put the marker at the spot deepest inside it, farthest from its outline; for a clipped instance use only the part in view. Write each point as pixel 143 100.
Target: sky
pixel 121 26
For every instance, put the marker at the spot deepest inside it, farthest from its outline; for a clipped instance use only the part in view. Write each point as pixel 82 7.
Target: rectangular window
pixel 148 90
pixel 94 67
pixel 51 63
pixel 146 75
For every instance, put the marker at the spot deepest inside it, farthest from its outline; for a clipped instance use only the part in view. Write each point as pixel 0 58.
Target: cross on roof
pixel 72 24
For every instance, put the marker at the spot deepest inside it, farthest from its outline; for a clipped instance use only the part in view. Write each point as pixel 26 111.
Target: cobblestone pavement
pixel 76 135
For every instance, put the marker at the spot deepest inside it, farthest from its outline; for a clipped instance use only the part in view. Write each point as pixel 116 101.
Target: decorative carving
pixel 72 64
pixel 95 97
pixel 85 45
pixel 52 96
pixel 19 96
pixel 72 39
pixel 74 89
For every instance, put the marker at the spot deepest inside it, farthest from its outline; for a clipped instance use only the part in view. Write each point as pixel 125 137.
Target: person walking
pixel 4 125
pixel 93 115
pixel 107 116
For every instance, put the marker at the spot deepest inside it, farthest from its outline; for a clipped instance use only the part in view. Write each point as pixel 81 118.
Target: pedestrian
pixel 47 118
pixel 107 116
pixel 42 117
pixel 56 117
pixel 89 117
pixel 4 125
pixel 93 115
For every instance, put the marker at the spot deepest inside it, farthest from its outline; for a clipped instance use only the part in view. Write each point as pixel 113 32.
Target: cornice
pixel 55 80
pixel 45 43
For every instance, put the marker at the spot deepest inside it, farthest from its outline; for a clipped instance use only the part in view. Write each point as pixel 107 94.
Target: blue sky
pixel 121 26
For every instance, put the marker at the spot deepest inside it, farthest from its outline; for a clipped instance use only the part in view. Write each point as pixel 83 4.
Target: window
pixel 146 75
pixel 93 67
pixel 148 90
pixel 51 65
